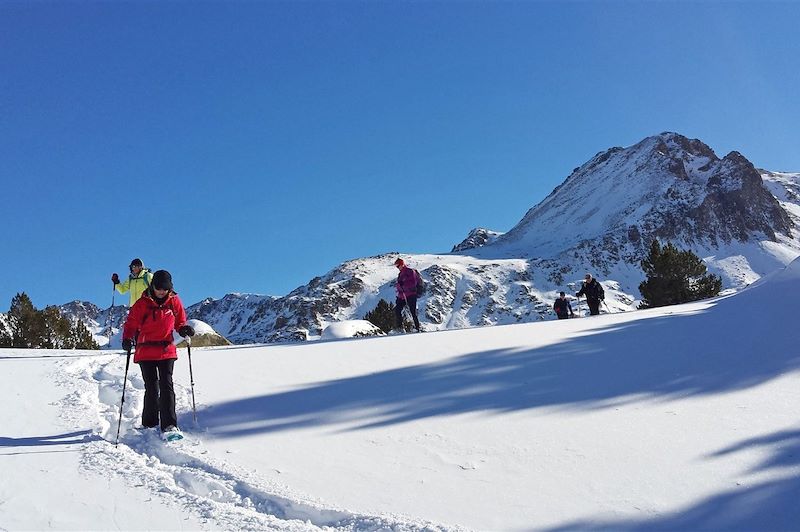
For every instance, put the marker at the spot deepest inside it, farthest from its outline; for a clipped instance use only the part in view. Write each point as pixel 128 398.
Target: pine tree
pixel 383 317
pixel 81 338
pixel 43 329
pixel 57 332
pixel 5 338
pixel 27 325
pixel 675 276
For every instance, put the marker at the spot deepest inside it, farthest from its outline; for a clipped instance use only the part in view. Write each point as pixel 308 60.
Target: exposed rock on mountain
pixel 478 237
pixel 235 316
pixel 100 322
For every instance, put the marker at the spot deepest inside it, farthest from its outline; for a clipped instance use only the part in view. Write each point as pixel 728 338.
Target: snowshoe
pixel 171 434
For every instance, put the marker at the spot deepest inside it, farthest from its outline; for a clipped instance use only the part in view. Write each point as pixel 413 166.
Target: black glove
pixel 127 344
pixel 186 330
pixel 115 278
pixel 577 294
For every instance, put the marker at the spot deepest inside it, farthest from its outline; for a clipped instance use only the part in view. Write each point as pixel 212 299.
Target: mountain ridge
pixel 601 219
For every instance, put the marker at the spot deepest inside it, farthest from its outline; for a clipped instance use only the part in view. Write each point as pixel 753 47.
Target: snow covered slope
pixel 786 189
pixel 666 186
pixel 606 213
pixel 463 291
pixel 678 418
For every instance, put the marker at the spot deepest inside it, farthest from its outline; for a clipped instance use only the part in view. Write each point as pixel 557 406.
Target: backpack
pixel 420 284
pixel 145 271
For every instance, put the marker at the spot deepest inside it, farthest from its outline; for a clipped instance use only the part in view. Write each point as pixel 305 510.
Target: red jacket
pixel 155 324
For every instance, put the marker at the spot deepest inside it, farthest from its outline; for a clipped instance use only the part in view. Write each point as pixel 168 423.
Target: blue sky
pixel 250 146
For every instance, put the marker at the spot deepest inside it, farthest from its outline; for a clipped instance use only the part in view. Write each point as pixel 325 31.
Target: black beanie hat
pixel 162 280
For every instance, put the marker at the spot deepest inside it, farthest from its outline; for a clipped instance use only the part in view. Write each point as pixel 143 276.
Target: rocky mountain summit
pixel 743 222
pixel 666 187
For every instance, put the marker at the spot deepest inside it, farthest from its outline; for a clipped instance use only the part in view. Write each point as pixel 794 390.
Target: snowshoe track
pixel 183 473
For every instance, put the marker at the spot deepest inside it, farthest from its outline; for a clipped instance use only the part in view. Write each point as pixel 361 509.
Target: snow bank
pixel 350 329
pixel 201 327
pixel 204 336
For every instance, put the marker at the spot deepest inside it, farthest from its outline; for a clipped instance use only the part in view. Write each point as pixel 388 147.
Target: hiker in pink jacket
pixel 406 288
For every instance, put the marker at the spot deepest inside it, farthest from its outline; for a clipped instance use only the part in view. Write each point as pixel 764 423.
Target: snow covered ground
pixel 682 417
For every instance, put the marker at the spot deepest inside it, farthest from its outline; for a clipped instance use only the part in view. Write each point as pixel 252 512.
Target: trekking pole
pixel 410 313
pixel 110 310
pixel 605 305
pixel 403 315
pixel 191 376
pixel 124 382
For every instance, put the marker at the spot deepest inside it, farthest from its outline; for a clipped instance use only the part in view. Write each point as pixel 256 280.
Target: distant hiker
pixel 406 288
pixel 136 283
pixel 562 307
pixel 594 294
pixel 153 318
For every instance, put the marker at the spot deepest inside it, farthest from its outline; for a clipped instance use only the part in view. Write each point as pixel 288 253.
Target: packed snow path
pixel 183 474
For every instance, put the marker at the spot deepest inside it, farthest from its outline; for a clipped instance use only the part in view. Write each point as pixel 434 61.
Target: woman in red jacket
pixel 150 322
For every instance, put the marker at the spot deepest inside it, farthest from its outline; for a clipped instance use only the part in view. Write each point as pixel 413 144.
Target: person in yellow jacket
pixel 138 281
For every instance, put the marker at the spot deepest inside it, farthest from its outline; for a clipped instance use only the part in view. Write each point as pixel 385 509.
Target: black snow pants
pixel 412 306
pixel 159 393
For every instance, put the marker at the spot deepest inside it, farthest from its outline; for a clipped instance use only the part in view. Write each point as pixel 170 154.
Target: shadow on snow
pixel 659 357
pixel 765 505
pixel 69 438
pixel 732 346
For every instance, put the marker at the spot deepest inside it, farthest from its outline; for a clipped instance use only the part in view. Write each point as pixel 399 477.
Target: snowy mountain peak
pixel 667 186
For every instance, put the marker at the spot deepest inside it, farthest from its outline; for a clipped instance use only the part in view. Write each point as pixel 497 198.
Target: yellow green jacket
pixel 136 285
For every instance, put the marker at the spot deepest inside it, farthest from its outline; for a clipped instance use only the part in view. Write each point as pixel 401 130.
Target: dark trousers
pixel 159 393
pixel 400 303
pixel 562 316
pixel 594 306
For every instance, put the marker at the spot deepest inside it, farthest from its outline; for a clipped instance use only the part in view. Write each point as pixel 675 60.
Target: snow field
pixel 677 418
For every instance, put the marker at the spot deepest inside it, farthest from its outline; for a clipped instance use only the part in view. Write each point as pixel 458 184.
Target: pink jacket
pixel 406 285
